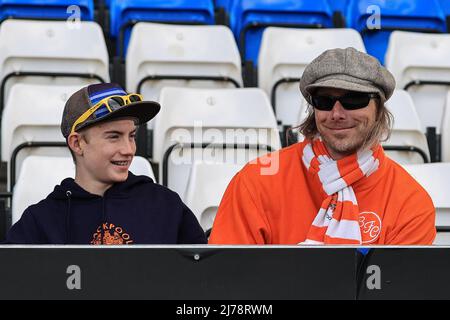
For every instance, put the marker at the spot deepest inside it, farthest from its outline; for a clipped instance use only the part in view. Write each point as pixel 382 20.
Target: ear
pixel 76 142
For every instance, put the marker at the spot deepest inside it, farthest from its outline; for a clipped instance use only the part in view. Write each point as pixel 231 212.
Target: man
pixel 337 186
pixel 106 204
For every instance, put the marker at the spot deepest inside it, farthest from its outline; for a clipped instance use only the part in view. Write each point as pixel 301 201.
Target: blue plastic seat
pixel 46 10
pixel 410 15
pixel 125 13
pixel 248 18
pixel 338 5
pixel 222 3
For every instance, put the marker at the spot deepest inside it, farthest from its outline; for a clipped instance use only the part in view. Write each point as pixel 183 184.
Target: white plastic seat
pixel 435 177
pixel 414 57
pixel 445 136
pixel 48 171
pixel 33 114
pixel 52 47
pixel 407 130
pixel 181 50
pixel 232 116
pixel 284 54
pixel 206 186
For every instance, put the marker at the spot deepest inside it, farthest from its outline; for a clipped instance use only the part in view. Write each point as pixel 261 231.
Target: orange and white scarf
pixel 337 221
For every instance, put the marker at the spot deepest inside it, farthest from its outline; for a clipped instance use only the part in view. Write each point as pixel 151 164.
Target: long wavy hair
pixel 380 133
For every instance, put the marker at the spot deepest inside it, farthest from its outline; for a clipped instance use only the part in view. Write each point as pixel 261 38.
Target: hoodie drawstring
pixel 67 238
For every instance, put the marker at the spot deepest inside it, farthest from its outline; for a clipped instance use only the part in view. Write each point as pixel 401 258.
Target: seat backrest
pixel 445 137
pixel 249 17
pixel 52 47
pixel 406 130
pixel 434 178
pixel 49 9
pixel 48 171
pixel 142 167
pixel 422 57
pixel 278 61
pixel 180 50
pixel 33 114
pixel 236 117
pixel 376 19
pixel 206 186
pixel 188 112
pixel 125 13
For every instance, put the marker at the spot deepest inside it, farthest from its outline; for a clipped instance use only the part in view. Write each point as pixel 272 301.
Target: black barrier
pixel 407 273
pixel 179 273
pixel 223 273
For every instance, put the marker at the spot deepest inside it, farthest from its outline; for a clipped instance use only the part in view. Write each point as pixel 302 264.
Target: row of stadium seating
pixel 207 57
pixel 198 151
pixel 247 18
pixel 209 129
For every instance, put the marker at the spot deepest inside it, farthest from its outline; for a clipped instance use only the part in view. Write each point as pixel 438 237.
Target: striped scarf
pixel 337 221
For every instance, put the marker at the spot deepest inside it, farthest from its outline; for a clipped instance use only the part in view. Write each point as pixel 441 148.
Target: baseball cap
pixel 86 98
pixel 347 69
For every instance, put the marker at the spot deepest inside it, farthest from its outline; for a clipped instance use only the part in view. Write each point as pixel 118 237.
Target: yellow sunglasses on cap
pixel 112 103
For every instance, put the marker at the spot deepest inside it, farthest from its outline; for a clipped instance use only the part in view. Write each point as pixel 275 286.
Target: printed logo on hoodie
pixel 112 235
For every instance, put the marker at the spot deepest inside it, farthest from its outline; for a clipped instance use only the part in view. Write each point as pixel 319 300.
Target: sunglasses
pixel 106 106
pixel 350 101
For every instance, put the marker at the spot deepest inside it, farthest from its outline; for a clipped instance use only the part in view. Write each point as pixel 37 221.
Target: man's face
pixel 108 149
pixel 344 131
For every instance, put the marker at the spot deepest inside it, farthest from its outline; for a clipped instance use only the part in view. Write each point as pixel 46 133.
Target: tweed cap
pixel 347 69
pixel 87 97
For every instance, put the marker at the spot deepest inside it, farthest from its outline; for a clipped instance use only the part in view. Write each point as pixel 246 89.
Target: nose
pixel 128 147
pixel 338 111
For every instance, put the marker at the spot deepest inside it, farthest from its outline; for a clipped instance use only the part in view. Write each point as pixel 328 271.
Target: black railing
pixel 408 149
pixel 26 145
pixel 192 145
pixel 41 74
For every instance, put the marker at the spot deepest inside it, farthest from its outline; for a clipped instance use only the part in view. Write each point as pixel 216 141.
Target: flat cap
pixel 347 69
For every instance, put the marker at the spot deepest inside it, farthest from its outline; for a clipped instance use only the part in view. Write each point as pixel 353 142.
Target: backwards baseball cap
pixel 104 102
pixel 347 69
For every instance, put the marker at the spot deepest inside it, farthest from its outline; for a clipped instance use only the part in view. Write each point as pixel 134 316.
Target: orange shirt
pixel 280 208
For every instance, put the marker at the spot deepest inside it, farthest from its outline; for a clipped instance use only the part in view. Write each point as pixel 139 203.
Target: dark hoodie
pixel 136 211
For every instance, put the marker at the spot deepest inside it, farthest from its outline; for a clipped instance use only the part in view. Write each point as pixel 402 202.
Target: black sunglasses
pixel 350 101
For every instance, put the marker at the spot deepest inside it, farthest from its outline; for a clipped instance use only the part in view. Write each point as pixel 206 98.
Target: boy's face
pixel 108 149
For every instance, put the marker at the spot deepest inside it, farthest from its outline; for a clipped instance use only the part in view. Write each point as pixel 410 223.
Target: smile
pixel 120 163
pixel 340 129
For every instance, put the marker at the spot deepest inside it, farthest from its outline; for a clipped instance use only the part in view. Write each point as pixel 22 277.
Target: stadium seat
pixel 222 3
pixel 177 55
pixel 434 177
pixel 163 55
pixel 445 137
pixel 124 14
pixel 47 172
pixel 420 64
pixel 205 188
pixel 48 52
pixel 195 123
pixel 281 66
pixel 46 10
pixel 33 115
pixel 338 5
pixel 248 18
pixel 408 15
pixel 407 143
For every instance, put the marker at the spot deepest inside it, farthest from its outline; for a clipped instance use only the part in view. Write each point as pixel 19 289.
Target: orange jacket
pixel 280 208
